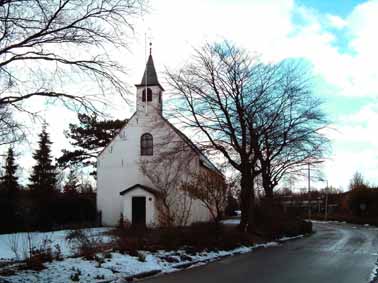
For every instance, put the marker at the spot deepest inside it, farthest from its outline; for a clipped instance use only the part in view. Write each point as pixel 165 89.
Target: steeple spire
pixel 149 91
pixel 150 77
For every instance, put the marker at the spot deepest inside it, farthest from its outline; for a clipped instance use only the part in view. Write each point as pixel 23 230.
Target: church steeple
pixel 149 76
pixel 149 91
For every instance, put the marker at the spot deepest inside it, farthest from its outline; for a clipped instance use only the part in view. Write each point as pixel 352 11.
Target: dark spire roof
pixel 150 77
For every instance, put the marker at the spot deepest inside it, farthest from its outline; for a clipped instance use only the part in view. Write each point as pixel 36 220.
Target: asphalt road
pixel 337 253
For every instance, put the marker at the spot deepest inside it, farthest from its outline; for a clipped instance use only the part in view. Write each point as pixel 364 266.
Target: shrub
pixel 195 238
pixel 273 222
pixel 58 252
pixel 129 245
pixel 35 255
pixel 363 202
pixel 99 260
pixel 75 277
pixel 30 211
pixel 141 256
pixel 38 257
pixel 85 243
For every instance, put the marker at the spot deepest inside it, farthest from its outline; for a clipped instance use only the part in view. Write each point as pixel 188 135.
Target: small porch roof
pixel 145 188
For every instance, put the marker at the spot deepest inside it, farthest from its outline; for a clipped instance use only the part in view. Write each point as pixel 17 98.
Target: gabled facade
pixel 148 156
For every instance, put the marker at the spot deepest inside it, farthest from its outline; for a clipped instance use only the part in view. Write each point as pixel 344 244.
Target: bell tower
pixel 149 91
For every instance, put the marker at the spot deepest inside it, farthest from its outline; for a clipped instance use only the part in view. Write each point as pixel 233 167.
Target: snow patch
pixel 36 239
pixel 231 221
pixel 117 267
pixel 374 274
pixel 284 239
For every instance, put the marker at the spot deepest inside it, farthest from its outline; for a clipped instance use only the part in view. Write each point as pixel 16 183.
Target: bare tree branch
pixel 68 36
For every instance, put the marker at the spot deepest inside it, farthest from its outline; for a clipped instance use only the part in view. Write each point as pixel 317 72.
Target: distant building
pixel 140 150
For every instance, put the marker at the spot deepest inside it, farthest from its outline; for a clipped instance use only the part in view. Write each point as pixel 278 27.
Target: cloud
pixel 336 21
pixel 355 146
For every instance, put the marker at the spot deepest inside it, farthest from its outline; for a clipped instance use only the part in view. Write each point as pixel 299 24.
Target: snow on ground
pixel 234 221
pixel 355 226
pixel 115 266
pixel 284 239
pixel 374 274
pixel 21 241
pixel 121 266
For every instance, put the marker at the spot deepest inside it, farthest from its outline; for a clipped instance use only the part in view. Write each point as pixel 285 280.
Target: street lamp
pixel 309 184
pixel 326 199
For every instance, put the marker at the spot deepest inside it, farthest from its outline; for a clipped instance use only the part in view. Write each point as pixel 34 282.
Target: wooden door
pixel 139 211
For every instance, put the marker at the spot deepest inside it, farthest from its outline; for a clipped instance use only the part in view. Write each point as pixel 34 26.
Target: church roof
pixel 150 77
pixel 204 160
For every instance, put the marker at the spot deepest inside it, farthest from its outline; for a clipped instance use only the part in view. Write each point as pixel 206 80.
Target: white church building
pixel 141 172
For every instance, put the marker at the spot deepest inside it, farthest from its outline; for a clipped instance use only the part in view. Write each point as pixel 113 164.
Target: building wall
pixel 119 166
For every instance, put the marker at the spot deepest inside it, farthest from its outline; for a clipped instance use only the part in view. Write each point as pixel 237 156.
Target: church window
pixel 146 144
pixel 147 96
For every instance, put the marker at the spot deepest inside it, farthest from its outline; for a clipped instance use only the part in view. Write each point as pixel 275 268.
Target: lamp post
pixel 326 199
pixel 326 203
pixel 309 184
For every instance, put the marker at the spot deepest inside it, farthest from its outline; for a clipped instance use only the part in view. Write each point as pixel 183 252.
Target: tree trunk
pixel 251 214
pixel 269 214
pixel 245 198
pixel 268 190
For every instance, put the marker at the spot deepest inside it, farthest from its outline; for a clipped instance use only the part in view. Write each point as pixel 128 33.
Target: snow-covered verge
pixel 116 267
pixel 355 226
pixel 20 242
pixel 374 274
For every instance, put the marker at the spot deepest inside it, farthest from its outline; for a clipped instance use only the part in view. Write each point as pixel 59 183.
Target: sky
pixel 338 38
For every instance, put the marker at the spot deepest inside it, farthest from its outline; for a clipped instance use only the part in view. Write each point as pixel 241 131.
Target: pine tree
pixel 72 184
pixel 9 179
pixel 88 137
pixel 43 178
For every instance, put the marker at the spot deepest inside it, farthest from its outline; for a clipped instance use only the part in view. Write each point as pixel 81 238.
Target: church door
pixel 139 211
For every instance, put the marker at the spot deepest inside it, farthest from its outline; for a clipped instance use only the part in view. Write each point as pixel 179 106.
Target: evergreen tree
pixel 88 137
pixel 72 184
pixel 9 179
pixel 43 178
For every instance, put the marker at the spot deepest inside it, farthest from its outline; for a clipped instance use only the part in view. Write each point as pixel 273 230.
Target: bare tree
pixel 287 130
pixel 358 181
pixel 215 94
pixel 169 171
pixel 10 130
pixel 260 117
pixel 173 203
pixel 46 45
pixel 211 189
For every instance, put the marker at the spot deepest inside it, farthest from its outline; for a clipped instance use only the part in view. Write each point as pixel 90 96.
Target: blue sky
pixel 338 39
pixel 341 8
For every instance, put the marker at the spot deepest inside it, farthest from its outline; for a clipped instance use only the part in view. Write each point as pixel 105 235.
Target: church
pixel 142 172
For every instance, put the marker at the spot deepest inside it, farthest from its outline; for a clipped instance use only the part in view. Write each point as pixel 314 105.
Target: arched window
pixel 146 144
pixel 149 95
